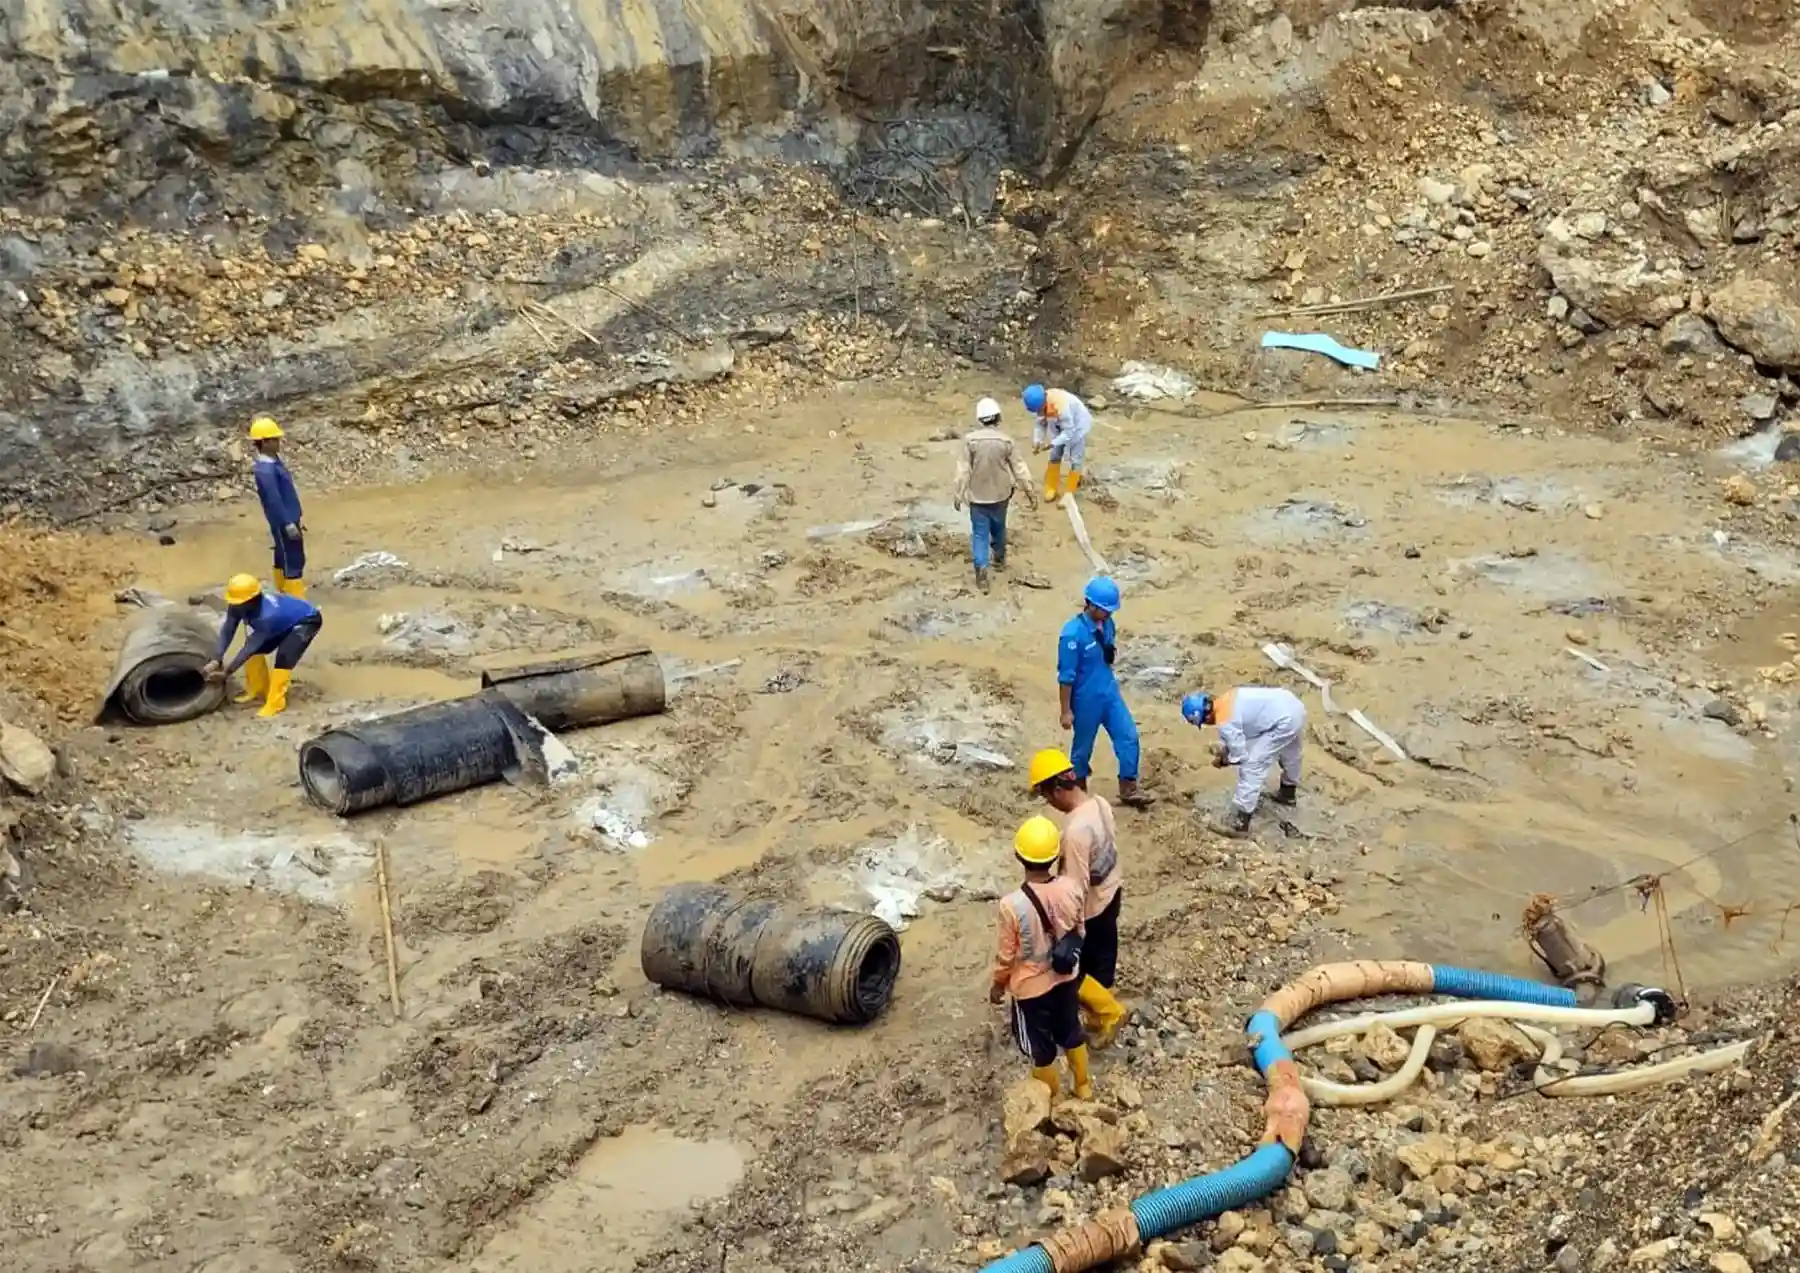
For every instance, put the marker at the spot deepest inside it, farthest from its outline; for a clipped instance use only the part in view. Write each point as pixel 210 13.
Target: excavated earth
pixel 654 325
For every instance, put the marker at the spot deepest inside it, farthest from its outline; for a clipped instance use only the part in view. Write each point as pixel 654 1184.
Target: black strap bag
pixel 1065 951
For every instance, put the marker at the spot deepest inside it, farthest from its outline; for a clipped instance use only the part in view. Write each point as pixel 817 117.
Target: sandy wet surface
pixel 850 720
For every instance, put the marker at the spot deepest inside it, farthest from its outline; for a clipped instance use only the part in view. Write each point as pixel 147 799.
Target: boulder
pixel 1760 318
pixel 1103 1149
pixel 1027 1159
pixel 1612 282
pixel 25 761
pixel 1496 1045
pixel 1385 1048
pixel 1025 1108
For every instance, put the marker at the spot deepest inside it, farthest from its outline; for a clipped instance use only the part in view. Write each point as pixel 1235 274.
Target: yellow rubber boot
pixel 256 679
pixel 278 690
pixel 1050 1077
pixel 293 587
pixel 280 580
pixel 1071 481
pixel 1052 477
pixel 1107 1012
pixel 1078 1073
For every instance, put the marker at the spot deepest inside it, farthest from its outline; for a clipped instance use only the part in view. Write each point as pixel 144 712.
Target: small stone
pixel 1230 1225
pixel 1739 490
pixel 1238 1260
pixel 1759 406
pixel 1387 1049
pixel 1426 1155
pixel 1761 1246
pixel 1557 308
pixel 313 252
pixel 1593 512
pixel 1027 1159
pixel 1651 1252
pixel 1025 1107
pixel 1568 1259
pixel 1656 95
pixel 1185 1258
pixel 1496 1045
pixel 1328 1190
pixel 1575 636
pixel 1479 248
pixel 1729 1262
pixel 1102 1151
pixel 1605 1256
pixel 1436 192
pixel 1720 709
pixel 1724 1228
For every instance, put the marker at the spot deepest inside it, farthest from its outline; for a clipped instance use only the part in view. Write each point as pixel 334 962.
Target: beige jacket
pixel 989 467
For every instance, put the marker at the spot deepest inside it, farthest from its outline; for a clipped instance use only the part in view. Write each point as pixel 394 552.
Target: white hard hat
pixel 987 409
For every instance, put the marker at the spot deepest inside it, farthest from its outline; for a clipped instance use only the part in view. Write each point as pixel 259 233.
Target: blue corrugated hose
pixel 1161 1213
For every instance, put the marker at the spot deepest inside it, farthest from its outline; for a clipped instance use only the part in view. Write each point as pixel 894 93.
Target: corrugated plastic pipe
pixel 1111 1235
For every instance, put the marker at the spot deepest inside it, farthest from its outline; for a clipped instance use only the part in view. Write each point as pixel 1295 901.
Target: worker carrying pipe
pixel 1090 857
pixel 1089 694
pixel 1061 422
pixel 988 470
pixel 281 507
pixel 1038 961
pixel 278 624
pixel 1260 727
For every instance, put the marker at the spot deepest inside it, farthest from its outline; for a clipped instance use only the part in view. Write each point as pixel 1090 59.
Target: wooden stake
pixel 1365 302
pixel 387 927
pixel 42 1000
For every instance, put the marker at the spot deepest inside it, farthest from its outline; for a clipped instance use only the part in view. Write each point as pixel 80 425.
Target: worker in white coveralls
pixel 988 470
pixel 1259 727
pixel 1062 422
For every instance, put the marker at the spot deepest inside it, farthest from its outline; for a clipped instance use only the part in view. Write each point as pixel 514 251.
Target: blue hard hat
pixel 1034 397
pixel 1102 592
pixel 1195 707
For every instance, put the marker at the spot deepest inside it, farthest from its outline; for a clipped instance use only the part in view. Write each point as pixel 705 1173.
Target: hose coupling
pixel 1630 996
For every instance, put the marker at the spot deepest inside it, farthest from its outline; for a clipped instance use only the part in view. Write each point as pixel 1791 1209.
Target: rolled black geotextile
pixel 713 941
pixel 417 754
pixel 157 678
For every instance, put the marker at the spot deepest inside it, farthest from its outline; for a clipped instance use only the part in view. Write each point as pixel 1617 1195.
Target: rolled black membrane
pixel 834 965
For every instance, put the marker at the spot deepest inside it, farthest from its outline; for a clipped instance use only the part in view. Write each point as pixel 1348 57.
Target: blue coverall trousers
pixel 1106 711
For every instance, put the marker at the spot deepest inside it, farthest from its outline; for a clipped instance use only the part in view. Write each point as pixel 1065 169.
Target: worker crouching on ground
pixel 1038 961
pixel 281 507
pixel 988 470
pixel 1090 857
pixel 1259 726
pixel 1089 692
pixel 279 624
pixel 1062 422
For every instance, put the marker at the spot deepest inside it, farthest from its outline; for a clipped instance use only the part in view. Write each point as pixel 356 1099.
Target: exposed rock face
pixel 134 101
pixel 1614 282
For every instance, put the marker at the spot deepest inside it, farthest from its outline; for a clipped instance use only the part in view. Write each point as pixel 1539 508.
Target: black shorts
pixel 1100 948
pixel 293 643
pixel 1048 1024
pixel 290 556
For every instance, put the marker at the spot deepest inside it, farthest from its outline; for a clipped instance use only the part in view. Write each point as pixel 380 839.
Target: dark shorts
pixel 1048 1024
pixel 1100 948
pixel 292 644
pixel 290 556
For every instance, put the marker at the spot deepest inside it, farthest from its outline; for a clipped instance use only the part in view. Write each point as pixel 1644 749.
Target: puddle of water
pixel 1315 435
pixel 318 868
pixel 1526 494
pixel 1774 564
pixel 1160 476
pixel 1756 451
pixel 617 1201
pixel 1305 519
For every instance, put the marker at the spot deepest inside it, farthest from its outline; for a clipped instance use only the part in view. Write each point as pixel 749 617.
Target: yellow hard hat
pixel 263 428
pixel 1049 763
pixel 242 588
pixel 1038 841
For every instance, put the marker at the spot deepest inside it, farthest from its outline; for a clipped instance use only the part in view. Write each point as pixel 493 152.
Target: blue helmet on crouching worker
pixel 1196 708
pixel 1034 398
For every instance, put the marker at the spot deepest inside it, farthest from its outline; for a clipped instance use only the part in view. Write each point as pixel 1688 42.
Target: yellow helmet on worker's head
pixel 1049 763
pixel 264 428
pixel 1037 841
pixel 242 588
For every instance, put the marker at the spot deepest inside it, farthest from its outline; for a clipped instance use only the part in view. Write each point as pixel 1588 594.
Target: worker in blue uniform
pixel 1089 691
pixel 281 507
pixel 278 624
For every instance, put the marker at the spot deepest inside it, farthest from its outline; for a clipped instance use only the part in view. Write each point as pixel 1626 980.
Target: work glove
pixel 1221 757
pixel 291 530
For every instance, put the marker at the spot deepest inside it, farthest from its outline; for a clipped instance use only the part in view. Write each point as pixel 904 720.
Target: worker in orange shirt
pixel 1038 961
pixel 1090 858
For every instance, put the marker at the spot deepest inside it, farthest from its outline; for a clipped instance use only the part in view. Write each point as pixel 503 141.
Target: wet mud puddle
pixel 616 1200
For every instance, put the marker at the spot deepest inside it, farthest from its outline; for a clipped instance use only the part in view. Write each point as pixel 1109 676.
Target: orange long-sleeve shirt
pixel 1090 855
pixel 1022 956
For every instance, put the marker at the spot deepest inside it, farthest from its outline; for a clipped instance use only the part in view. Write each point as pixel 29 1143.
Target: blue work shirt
pixel 1080 660
pixel 275 489
pixel 278 615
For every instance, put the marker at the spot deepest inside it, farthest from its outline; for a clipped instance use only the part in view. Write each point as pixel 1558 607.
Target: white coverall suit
pixel 1260 726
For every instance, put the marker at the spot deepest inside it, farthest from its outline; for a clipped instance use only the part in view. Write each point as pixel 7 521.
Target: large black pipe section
pixel 158 678
pixel 578 692
pixel 468 742
pixel 712 941
pixel 417 754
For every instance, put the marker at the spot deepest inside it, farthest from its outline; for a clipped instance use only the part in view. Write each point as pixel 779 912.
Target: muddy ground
pixel 215 1080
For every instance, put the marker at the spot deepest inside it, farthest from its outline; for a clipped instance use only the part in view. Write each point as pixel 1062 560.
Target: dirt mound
pixel 53 588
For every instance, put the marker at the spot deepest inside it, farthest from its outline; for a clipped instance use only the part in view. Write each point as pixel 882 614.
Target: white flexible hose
pixel 1439 1013
pixel 1325 1092
pixel 1427 1018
